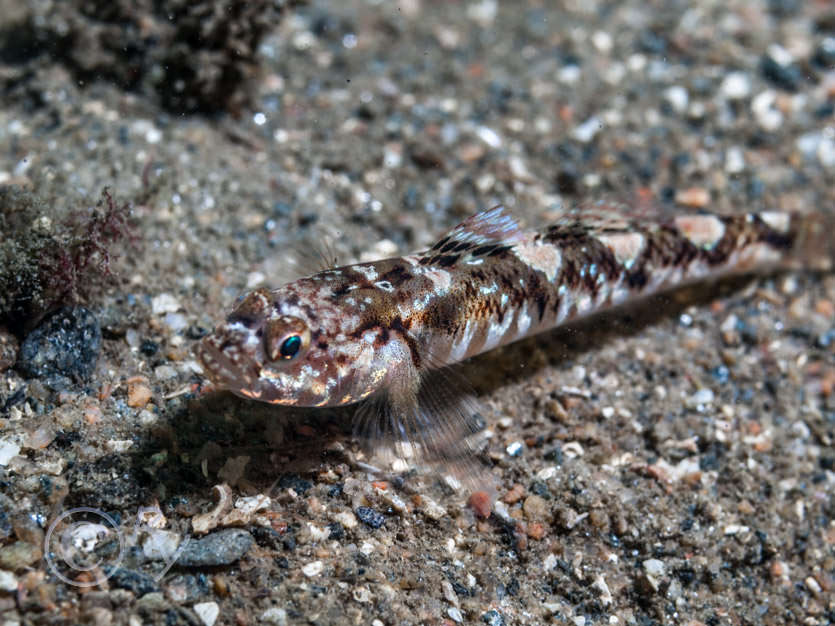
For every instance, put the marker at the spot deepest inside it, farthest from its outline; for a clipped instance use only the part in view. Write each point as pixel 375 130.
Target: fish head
pixel 298 346
pixel 264 350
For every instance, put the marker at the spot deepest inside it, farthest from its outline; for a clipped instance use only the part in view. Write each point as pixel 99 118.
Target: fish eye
pixel 290 347
pixel 285 338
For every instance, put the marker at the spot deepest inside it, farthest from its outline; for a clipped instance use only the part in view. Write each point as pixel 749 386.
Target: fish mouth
pixel 231 371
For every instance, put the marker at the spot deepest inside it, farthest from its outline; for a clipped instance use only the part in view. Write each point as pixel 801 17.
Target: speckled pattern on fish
pixel 380 330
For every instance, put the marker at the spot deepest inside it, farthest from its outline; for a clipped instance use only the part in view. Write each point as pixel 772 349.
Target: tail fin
pixel 814 242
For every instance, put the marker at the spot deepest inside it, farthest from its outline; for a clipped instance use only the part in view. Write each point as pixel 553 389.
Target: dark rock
pixel 220 548
pixel 294 482
pixel 63 348
pixel 337 531
pixel 266 537
pixel 137 582
pixel 149 348
pixel 196 332
pixel 785 76
pixel 13 400
pixel 493 618
pixel 370 517
pixel 824 55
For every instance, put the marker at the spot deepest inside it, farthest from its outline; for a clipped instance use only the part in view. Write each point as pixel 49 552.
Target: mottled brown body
pixel 380 329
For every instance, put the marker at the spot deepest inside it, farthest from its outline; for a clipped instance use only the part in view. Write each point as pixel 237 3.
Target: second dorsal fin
pixel 493 226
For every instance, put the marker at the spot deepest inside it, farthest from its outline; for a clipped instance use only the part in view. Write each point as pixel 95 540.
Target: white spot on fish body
pixel 625 246
pixel 703 231
pixel 368 271
pixel 583 304
pixel 461 345
pixel 540 256
pixel 441 279
pixel 619 294
pixel 496 332
pixel 384 285
pixel 504 299
pixel 778 221
pixel 566 301
pixel 523 320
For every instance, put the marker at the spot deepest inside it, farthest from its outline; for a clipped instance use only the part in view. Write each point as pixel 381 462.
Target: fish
pixel 383 335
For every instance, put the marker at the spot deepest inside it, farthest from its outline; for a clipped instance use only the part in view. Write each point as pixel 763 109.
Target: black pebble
pixel 370 517
pixel 137 582
pixel 63 348
pixel 493 618
pixel 787 77
pixel 337 531
pixel 196 332
pixel 149 348
pixel 294 482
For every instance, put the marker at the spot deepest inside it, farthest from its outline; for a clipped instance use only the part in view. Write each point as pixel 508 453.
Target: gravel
pixel 694 430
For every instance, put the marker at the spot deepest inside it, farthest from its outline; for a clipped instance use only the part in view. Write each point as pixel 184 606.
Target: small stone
pixel 148 347
pixel 164 303
pixel 700 400
pixel 734 160
pixel 778 66
pixel 536 530
pixel 137 582
pixel 207 612
pixel 346 519
pixel 220 548
pixel 175 322
pixel 654 567
pixel 165 372
pixel 274 615
pixel 653 573
pixel 493 618
pixel 8 450
pixel 480 504
pixel 370 517
pixel 313 569
pixel 696 197
pixel 432 509
pixel 8 581
pixel 535 508
pixel 514 495
pixel 813 585
pixel 768 116
pixel 677 97
pixel 736 86
pixel 19 555
pixel 63 348
pixel 455 614
pixel 152 602
pixel 160 544
pixel 586 131
pixel 139 392
pixel 515 448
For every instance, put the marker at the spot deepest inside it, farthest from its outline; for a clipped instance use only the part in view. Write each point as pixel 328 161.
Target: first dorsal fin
pixel 493 226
